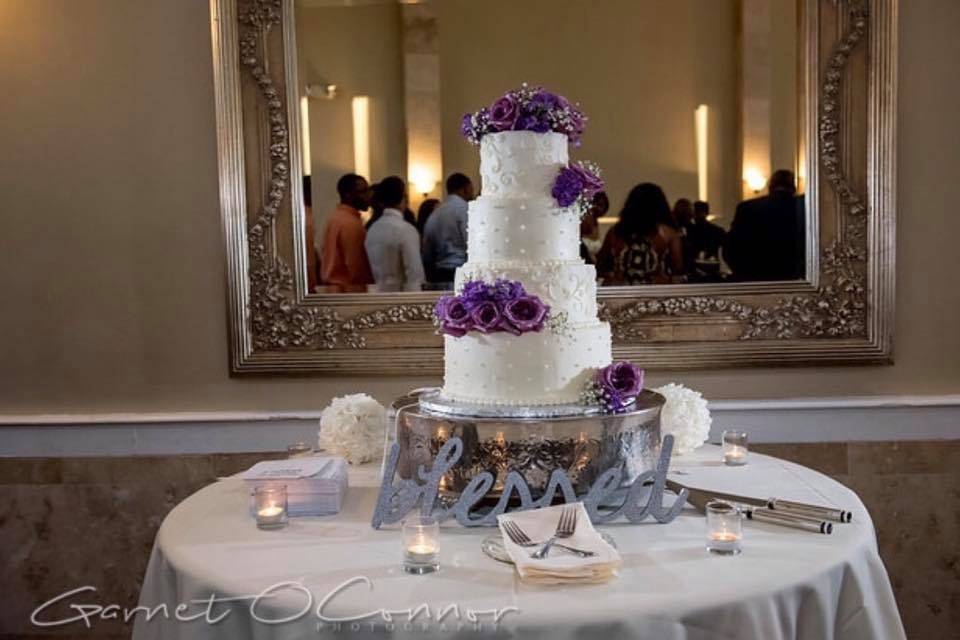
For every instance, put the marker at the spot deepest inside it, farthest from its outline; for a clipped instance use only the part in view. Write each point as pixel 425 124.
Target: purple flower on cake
pixel 576 185
pixel 526 313
pixel 567 187
pixel 504 112
pixel 614 387
pixel 546 100
pixel 503 291
pixel 453 315
pixel 486 317
pixel 526 109
pixel 489 308
pixel 624 378
pixel 474 293
pixel 476 125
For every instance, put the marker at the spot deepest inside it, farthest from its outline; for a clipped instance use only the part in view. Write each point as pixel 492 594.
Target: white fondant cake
pixel 516 231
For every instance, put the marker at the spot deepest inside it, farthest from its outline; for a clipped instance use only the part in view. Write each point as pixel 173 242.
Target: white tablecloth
pixel 785 584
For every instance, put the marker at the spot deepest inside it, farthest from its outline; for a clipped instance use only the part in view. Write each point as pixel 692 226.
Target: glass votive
pixel 724 528
pixel 299 450
pixel 734 448
pixel 421 544
pixel 270 504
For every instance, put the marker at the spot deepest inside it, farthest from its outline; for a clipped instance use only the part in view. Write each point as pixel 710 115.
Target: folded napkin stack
pixel 315 486
pixel 560 566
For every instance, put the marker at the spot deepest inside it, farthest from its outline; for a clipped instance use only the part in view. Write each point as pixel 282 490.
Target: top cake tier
pixel 521 164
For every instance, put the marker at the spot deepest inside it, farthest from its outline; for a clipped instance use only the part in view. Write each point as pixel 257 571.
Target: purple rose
pixel 455 318
pixel 503 113
pixel 592 183
pixel 486 317
pixel 567 187
pixel 621 379
pixel 527 313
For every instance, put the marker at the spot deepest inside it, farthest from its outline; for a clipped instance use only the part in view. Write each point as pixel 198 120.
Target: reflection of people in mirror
pixel 426 209
pixel 590 227
pixel 643 247
pixel 766 239
pixel 313 262
pixel 445 233
pixel 343 259
pixel 704 240
pixel 392 243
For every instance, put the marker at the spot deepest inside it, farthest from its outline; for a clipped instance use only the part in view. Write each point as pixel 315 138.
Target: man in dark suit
pixel 766 240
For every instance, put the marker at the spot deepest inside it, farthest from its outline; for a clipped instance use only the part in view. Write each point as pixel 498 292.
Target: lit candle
pixel 734 448
pixel 421 544
pixel 271 507
pixel 735 455
pixel 724 528
pixel 422 548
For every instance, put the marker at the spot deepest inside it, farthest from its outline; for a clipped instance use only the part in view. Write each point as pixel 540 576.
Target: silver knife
pixel 755 509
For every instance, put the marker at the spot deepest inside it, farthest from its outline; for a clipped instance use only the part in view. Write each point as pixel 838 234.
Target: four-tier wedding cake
pixel 522 328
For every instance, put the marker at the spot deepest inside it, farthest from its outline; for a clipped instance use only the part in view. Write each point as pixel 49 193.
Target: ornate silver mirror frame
pixel 842 313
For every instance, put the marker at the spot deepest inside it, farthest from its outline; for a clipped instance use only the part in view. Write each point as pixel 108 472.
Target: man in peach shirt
pixel 343 259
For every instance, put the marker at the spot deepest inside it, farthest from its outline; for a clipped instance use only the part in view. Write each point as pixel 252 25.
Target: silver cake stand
pixel 532 441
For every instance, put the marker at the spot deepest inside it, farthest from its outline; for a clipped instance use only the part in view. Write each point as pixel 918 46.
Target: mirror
pixel 698 98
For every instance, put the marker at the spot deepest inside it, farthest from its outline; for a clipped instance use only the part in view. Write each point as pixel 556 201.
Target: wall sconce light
pixel 422 179
pixel 322 91
pixel 305 135
pixel 700 125
pixel 361 135
pixel 755 180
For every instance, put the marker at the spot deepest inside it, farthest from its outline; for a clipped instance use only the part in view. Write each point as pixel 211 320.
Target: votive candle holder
pixel 299 450
pixel 421 544
pixel 735 448
pixel 270 506
pixel 724 528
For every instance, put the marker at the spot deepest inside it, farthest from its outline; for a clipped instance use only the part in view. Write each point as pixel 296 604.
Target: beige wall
pixel 111 260
pixel 358 49
pixel 638 69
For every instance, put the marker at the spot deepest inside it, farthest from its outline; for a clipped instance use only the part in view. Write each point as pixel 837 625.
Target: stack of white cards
pixel 315 486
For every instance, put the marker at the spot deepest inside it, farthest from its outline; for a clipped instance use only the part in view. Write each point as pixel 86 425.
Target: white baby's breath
pixel 685 416
pixel 353 426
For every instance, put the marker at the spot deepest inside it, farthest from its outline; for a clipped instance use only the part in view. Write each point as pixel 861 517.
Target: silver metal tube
pixel 809 510
pixel 774 517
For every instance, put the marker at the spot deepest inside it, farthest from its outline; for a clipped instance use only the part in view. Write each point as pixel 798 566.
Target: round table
pixel 786 583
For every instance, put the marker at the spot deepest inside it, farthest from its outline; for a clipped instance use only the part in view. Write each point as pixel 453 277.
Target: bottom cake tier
pixel 582 446
pixel 532 369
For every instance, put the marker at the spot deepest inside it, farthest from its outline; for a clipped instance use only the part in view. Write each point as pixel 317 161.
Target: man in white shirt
pixel 393 244
pixel 445 234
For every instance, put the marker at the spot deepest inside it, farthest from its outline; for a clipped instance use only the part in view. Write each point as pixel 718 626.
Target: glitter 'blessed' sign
pixel 641 500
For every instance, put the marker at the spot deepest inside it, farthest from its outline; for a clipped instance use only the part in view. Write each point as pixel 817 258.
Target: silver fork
pixel 521 539
pixel 565 528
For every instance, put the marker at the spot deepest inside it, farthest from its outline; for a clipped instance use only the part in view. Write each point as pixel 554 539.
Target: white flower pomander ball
pixel 685 416
pixel 353 426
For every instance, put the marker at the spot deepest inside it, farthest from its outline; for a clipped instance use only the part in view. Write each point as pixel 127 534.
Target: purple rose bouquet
pixel 614 387
pixel 489 308
pixel 576 185
pixel 526 109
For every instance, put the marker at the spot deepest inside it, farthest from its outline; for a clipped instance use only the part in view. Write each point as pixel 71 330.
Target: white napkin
pixel 560 567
